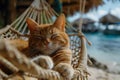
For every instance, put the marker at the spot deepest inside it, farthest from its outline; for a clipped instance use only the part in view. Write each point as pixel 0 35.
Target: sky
pixel 108 7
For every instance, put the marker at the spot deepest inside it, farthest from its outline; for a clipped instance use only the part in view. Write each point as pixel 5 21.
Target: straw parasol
pixel 72 6
pixel 85 21
pixel 109 19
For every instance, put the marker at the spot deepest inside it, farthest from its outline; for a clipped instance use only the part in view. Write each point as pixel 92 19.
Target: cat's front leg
pixel 44 61
pixel 66 70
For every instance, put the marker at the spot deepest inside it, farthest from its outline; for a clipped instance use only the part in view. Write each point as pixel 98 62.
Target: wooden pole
pixel 82 8
pixel 12 10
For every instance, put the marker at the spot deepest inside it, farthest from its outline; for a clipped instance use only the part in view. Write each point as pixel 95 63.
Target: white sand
pixel 98 74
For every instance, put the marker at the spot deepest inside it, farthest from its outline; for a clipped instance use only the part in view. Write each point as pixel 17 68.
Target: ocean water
pixel 105 48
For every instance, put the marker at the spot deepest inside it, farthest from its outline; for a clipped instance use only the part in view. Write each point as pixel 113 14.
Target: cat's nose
pixel 47 41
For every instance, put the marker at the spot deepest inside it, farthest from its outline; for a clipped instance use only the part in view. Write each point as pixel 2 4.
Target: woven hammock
pixel 42 13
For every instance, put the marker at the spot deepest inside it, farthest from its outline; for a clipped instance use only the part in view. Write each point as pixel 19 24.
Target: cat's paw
pixel 66 70
pixel 44 61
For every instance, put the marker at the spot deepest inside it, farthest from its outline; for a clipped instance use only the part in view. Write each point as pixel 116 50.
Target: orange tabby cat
pixel 51 43
pixel 52 40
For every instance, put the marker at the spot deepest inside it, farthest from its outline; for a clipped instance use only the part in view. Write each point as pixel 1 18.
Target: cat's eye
pixel 54 36
pixel 38 37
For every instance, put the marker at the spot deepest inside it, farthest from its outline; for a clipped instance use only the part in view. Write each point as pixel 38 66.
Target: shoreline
pixel 111 67
pixel 103 71
pixel 99 74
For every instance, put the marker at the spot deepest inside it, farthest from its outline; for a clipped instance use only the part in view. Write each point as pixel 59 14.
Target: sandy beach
pixel 99 74
pixel 103 71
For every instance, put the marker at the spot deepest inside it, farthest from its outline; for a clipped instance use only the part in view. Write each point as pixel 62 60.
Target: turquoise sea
pixel 105 48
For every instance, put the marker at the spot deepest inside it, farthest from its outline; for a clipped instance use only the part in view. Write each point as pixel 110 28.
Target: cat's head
pixel 47 38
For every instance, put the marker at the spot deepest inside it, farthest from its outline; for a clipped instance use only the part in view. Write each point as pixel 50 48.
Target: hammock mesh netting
pixel 42 13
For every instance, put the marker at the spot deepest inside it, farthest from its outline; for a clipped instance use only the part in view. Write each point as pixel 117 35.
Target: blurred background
pixel 100 21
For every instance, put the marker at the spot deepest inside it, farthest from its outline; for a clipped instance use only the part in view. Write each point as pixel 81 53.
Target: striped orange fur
pixel 50 40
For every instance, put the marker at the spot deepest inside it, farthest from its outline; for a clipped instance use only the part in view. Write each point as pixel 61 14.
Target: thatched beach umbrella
pixel 85 21
pixel 87 25
pixel 72 6
pixel 109 19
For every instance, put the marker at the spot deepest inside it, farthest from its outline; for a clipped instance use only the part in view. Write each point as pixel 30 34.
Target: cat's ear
pixel 32 25
pixel 60 22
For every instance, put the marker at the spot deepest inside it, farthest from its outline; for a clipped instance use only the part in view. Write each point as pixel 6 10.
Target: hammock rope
pixel 82 9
